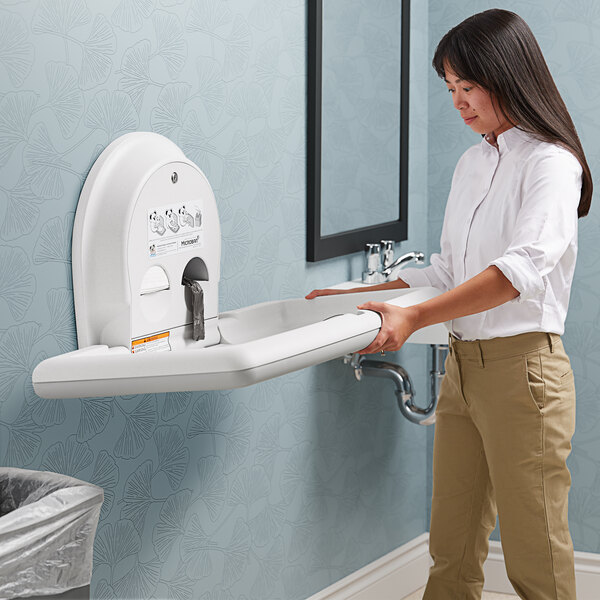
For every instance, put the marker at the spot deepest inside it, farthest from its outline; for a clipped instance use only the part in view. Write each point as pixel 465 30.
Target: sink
pixel 257 343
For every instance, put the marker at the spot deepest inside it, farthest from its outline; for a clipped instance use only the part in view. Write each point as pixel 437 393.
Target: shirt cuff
pixel 523 275
pixel 414 277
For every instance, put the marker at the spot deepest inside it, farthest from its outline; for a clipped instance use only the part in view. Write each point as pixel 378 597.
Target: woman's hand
pixel 388 285
pixel 327 292
pixel 397 324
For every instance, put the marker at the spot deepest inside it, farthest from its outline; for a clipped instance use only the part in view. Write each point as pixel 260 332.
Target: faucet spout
pixel 401 261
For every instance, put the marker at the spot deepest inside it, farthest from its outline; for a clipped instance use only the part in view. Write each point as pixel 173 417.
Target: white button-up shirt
pixel 515 207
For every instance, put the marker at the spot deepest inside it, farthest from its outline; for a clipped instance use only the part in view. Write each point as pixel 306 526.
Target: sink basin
pixel 257 343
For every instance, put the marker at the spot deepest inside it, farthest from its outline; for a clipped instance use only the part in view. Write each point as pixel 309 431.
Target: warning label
pixel 153 343
pixel 174 228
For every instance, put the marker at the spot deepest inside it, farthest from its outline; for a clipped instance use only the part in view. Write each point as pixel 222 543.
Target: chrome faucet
pixel 402 261
pixel 387 253
pixel 382 254
pixel 372 272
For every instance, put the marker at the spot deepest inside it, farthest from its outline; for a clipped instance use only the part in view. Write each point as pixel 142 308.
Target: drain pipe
pixel 368 367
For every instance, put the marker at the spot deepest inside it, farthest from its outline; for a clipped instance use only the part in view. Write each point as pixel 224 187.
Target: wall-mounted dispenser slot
pixel 196 270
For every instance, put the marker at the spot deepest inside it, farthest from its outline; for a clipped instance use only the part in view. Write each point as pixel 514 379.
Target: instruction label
pixel 153 343
pixel 174 228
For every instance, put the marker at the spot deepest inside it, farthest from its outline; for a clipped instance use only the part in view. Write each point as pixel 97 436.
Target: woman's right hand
pixel 390 285
pixel 326 292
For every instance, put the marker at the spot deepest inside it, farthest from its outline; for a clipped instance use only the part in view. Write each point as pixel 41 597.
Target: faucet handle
pixel 387 249
pixel 373 257
pixel 372 272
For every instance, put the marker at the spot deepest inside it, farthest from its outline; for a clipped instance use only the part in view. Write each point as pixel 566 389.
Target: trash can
pixel 47 528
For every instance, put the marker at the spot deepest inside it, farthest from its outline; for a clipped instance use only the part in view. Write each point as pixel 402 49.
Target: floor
pixel 418 595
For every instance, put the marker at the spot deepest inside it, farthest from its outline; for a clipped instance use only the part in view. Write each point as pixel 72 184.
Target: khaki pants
pixel 504 423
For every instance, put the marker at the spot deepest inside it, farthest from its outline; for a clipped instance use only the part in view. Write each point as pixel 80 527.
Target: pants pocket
pixel 532 362
pixel 567 381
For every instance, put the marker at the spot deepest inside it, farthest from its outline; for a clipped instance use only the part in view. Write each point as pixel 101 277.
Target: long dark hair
pixel 497 50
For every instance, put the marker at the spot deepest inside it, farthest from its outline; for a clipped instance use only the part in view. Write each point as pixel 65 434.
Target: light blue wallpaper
pixel 269 492
pixel 569 34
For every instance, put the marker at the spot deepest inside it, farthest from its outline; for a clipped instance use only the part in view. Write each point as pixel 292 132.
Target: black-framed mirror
pixel 357 125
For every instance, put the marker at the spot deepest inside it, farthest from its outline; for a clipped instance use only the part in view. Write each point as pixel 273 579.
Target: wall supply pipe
pixel 405 394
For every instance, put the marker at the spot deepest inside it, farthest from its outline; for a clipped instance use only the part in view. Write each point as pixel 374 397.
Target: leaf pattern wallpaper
pixel 274 491
pixel 569 34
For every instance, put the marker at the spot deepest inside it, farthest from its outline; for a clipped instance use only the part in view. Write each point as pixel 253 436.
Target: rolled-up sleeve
pixel 546 223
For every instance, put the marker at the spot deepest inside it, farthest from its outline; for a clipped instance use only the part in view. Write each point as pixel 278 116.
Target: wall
pixel 569 34
pixel 273 491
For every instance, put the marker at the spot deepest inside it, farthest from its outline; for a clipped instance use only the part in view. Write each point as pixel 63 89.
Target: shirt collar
pixel 511 138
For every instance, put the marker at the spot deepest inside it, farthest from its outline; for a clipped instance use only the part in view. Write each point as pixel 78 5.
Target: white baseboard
pixel 390 577
pixel 406 569
pixel 587 573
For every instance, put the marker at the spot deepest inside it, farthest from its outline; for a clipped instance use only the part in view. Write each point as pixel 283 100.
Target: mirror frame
pixel 320 247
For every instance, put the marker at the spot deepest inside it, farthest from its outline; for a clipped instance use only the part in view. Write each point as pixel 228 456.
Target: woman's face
pixel 475 105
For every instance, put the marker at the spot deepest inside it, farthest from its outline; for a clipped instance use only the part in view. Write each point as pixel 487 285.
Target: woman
pixel 506 409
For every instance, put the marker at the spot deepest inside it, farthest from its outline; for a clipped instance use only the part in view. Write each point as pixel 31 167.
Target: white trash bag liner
pixel 47 528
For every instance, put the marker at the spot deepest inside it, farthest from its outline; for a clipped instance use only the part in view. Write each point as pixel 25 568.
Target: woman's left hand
pixel 397 324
